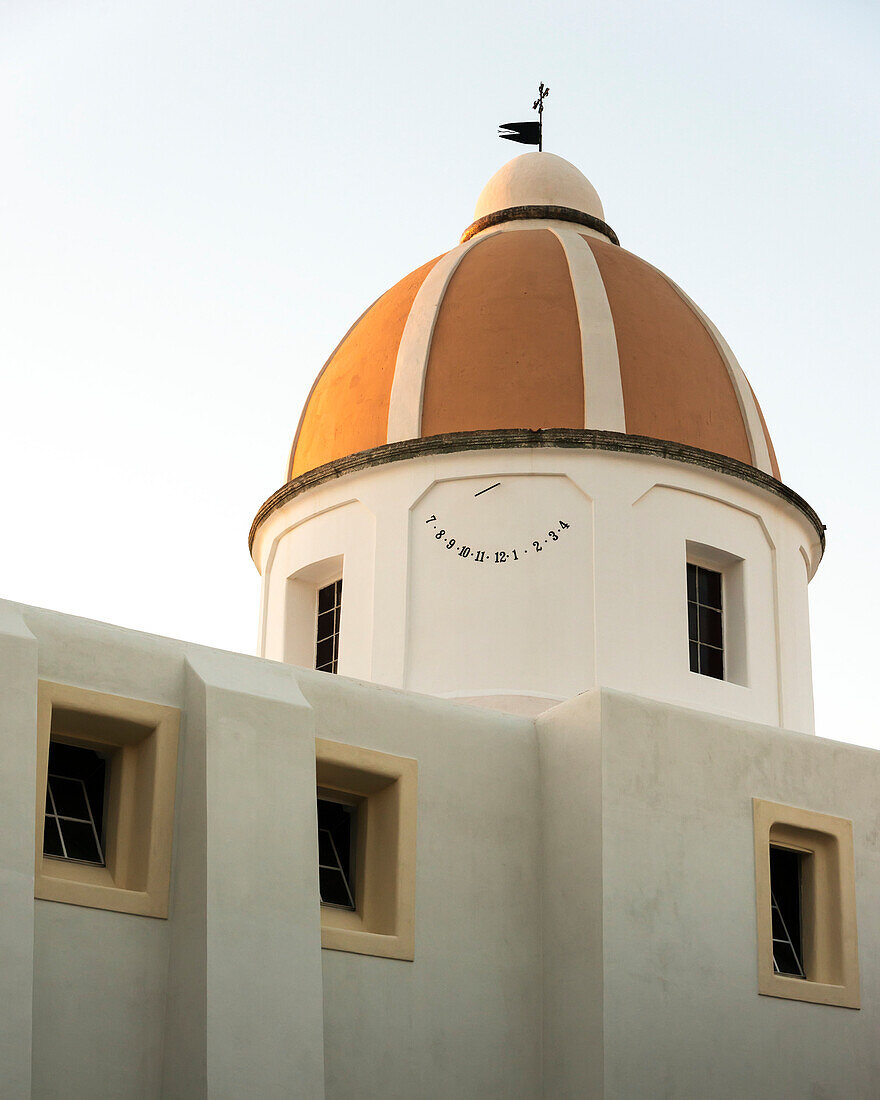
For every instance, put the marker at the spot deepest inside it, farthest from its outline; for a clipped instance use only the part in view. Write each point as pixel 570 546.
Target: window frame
pixel 96 814
pixel 140 741
pixel 829 932
pixel 337 633
pixel 734 648
pixel 697 567
pixel 351 881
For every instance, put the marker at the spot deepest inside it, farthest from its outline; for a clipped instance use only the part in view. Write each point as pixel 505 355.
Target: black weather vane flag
pixel 528 133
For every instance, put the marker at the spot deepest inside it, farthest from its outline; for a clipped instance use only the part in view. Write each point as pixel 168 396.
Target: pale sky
pixel 199 198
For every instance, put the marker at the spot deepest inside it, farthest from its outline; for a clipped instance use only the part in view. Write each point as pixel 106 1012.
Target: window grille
pixel 327 639
pixel 705 622
pixel 74 805
pixel 337 835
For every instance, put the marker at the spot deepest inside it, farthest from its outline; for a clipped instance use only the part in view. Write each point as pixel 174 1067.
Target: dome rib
pixel 675 382
pixel 603 395
pixel 408 388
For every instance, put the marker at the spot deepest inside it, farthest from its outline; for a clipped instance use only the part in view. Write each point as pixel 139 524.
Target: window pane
pixel 51 839
pixel 695 656
pixel 326 854
pixel 333 891
pixel 324 655
pixel 691 581
pixel 326 624
pixel 70 797
pixel 709 587
pixel 77 779
pixel 710 627
pixel 326 598
pixel 80 841
pixel 711 662
pixel 692 622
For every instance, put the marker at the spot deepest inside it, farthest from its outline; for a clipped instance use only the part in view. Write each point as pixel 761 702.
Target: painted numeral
pixel 480 556
pixel 464 551
pixel 440 534
pixel 500 556
pixel 431 519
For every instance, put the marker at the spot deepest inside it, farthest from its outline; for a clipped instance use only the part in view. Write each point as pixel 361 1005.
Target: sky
pixel 198 198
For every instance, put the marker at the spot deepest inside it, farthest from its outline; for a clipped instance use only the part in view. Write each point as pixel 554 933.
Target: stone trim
pixel 386 787
pixel 587 439
pixel 525 213
pixel 140 739
pixel 828 899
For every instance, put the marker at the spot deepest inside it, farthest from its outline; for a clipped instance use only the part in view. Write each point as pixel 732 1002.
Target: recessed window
pixel 806 905
pixel 75 789
pixel 337 845
pixel 705 621
pixel 104 811
pixel 785 911
pixel 367 850
pixel 327 640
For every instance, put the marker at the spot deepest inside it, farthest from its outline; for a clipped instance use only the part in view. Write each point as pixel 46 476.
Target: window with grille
pixel 337 842
pixel 785 911
pixel 74 828
pixel 327 640
pixel 705 621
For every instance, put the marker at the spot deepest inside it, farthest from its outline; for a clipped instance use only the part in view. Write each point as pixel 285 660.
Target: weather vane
pixel 528 133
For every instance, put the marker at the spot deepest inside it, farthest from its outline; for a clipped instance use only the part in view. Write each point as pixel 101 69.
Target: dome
pixel 538 319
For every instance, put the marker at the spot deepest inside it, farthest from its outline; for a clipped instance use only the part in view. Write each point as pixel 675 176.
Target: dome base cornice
pixel 531 213
pixel 585 439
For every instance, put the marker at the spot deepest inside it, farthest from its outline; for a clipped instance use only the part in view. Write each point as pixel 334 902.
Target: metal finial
pixel 528 133
pixel 538 106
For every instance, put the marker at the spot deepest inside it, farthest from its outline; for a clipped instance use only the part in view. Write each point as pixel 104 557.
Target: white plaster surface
pixel 603 605
pixel 585 919
pixel 682 1015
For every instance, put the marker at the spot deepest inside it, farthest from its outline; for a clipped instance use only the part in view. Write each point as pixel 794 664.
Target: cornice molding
pixel 505 439
pixel 529 213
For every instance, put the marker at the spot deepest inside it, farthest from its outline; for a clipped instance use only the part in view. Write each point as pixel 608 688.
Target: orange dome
pixel 538 320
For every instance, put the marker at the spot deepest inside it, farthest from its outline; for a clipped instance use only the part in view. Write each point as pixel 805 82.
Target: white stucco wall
pixel 585 898
pixel 599 603
pixel 232 995
pixel 673 792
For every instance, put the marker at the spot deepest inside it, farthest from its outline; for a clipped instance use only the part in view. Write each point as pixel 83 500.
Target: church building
pixel 521 796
